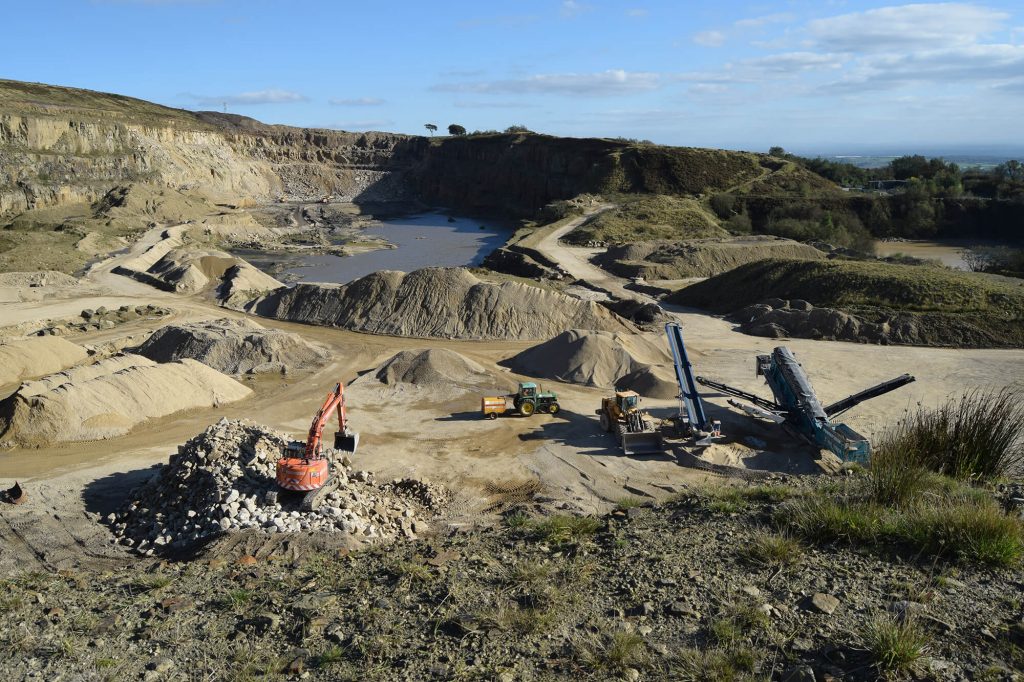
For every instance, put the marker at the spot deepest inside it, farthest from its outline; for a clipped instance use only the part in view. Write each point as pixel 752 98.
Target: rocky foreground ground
pixel 700 587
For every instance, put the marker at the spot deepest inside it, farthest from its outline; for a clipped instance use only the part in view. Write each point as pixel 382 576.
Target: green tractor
pixel 526 400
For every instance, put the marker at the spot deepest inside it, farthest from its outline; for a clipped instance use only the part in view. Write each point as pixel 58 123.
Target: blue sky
pixel 810 76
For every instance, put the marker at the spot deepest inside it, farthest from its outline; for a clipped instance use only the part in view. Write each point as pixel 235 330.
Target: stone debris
pixel 218 482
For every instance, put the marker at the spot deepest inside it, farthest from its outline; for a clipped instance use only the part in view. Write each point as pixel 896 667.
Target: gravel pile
pixel 218 482
pixel 234 347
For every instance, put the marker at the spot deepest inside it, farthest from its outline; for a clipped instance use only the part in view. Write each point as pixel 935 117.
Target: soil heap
pixel 431 367
pixel 233 347
pixel 33 357
pixel 652 381
pixel 590 358
pixel 664 259
pixel 219 480
pixel 438 303
pixel 108 398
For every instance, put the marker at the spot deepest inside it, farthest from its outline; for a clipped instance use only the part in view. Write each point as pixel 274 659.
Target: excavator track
pixel 314 498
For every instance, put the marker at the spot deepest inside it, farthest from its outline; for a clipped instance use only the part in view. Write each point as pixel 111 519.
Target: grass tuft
pixel 895 644
pixel 978 436
pixel 771 549
pixel 565 528
pixel 613 652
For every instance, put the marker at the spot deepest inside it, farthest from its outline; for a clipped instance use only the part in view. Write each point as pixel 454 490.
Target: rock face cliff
pixel 63 145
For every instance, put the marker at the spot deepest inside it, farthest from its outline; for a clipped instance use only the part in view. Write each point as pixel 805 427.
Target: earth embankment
pixel 666 259
pixel 438 303
pixel 868 302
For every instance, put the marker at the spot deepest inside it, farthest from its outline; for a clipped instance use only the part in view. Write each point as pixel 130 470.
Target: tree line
pixel 933 177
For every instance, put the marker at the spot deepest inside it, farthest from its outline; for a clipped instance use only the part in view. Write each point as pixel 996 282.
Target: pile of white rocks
pixel 219 482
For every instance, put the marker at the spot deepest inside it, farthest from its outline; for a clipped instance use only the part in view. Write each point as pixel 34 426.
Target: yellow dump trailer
pixel 492 406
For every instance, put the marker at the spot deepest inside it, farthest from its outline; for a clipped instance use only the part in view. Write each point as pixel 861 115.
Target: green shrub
pixel 980 435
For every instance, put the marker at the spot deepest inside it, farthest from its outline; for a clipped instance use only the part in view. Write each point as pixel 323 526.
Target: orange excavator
pixel 304 469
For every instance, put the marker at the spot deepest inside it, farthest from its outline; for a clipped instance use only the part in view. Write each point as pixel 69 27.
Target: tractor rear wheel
pixel 527 408
pixel 605 424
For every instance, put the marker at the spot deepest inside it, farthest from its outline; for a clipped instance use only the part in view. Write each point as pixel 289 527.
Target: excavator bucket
pixel 346 441
pixel 642 443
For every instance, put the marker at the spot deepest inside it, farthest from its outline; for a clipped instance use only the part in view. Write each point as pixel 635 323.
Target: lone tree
pixel 431 127
pixel 456 129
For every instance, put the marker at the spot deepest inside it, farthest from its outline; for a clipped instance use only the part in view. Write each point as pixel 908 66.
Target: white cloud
pixel 970 64
pixel 271 96
pixel 605 83
pixel 758 22
pixel 906 27
pixel 572 8
pixel 356 102
pixel 710 38
pixel 361 125
pixel 777 66
pixel 492 105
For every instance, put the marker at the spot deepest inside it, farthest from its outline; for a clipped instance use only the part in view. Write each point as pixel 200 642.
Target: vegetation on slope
pixel 39 99
pixel 643 217
pixel 716 584
pixel 853 284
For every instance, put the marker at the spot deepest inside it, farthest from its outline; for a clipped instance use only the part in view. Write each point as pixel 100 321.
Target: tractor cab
pixel 627 400
pixel 527 389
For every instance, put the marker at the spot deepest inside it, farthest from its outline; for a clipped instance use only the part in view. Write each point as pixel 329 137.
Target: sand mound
pixel 33 357
pixel 591 358
pixel 233 347
pixel 108 398
pixel 46 278
pixel 651 381
pixel 438 302
pixel 172 266
pixel 431 367
pixel 663 259
pixel 218 482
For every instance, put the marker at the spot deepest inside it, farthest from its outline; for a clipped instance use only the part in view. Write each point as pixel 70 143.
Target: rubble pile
pixel 219 482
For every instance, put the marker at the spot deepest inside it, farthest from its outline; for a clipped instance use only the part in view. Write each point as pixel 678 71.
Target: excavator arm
pixel 335 401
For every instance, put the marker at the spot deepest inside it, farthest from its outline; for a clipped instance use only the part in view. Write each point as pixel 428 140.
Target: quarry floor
pixel 565 460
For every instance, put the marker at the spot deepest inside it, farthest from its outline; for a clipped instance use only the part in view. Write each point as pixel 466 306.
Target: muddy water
pixel 949 252
pixel 422 241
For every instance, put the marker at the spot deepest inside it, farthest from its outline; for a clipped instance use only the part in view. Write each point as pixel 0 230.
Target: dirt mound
pixel 25 358
pixel 652 381
pixel 431 367
pixel 219 481
pixel 172 265
pixel 47 278
pixel 439 303
pixel 233 347
pixel 663 259
pixel 590 358
pixel 108 398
